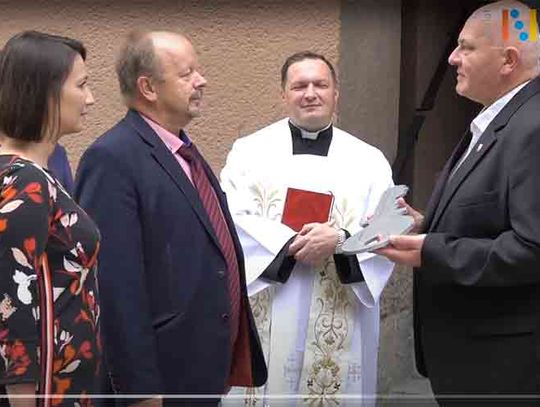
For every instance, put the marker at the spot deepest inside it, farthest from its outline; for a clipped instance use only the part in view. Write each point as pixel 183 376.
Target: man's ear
pixel 511 58
pixel 146 88
pixel 283 93
pixel 336 107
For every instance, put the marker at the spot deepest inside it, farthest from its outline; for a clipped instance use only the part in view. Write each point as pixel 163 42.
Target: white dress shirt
pixel 484 118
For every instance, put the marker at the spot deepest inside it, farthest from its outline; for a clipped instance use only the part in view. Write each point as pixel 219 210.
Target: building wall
pixel 241 46
pixel 370 61
pixel 370 54
pixel 452 114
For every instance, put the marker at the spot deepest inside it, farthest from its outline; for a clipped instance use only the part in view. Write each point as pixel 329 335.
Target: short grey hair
pixel 136 58
pixel 491 15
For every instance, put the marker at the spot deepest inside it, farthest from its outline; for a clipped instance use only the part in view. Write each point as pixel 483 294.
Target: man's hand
pixel 314 243
pixel 153 402
pixel 20 390
pixel 417 216
pixel 405 250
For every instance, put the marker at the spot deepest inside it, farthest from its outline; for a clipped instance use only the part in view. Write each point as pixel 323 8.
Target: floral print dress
pixel 49 312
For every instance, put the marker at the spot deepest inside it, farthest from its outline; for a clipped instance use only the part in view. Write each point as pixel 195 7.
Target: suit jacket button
pixel 225 317
pixel 221 273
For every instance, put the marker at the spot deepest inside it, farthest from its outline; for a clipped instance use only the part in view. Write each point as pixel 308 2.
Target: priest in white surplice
pixel 317 310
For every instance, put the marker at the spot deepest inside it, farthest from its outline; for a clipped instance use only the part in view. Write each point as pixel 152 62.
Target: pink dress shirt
pixel 173 143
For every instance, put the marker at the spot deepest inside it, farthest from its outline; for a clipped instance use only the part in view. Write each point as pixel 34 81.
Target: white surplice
pixel 320 337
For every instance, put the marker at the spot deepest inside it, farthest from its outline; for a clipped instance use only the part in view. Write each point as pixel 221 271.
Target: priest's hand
pixel 405 250
pixel 417 216
pixel 314 243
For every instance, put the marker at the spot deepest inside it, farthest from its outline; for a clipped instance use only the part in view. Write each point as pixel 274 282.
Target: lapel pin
pixel 479 147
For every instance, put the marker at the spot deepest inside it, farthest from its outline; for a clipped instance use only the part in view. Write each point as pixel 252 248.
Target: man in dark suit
pixel 477 259
pixel 59 165
pixel 176 319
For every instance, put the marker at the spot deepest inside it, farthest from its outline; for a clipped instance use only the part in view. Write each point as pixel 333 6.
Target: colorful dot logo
pixel 512 17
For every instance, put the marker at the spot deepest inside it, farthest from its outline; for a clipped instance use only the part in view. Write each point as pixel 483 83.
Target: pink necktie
pixel 211 205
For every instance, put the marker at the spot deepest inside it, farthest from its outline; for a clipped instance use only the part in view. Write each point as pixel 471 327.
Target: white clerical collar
pixel 486 116
pixel 311 135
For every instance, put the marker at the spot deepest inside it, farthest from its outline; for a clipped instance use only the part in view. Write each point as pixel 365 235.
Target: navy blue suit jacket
pixel 163 285
pixel 59 165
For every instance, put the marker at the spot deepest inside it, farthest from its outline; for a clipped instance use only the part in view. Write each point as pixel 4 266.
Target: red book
pixel 302 207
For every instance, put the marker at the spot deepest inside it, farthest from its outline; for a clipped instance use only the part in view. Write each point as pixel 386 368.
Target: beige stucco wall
pixel 241 46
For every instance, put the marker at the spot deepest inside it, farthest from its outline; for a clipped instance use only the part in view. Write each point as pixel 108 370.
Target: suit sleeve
pixel 108 192
pixel 59 165
pixel 513 257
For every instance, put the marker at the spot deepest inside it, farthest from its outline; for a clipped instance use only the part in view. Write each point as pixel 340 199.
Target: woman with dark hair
pixel 49 313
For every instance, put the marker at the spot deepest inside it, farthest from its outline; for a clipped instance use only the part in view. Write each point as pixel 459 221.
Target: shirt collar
pixel 172 141
pixel 310 135
pixel 486 116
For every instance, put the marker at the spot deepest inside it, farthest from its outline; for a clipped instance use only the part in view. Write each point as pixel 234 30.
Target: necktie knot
pixel 187 152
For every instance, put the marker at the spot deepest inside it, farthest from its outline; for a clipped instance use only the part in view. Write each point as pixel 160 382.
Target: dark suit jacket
pixel 162 279
pixel 477 294
pixel 59 165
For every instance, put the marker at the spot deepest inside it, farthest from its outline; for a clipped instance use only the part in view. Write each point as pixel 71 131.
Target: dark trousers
pixel 485 370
